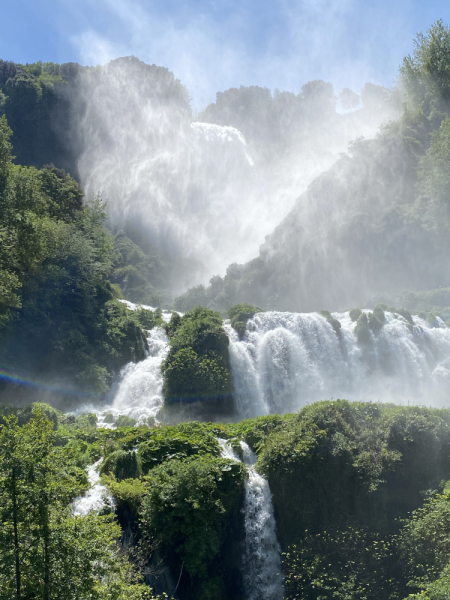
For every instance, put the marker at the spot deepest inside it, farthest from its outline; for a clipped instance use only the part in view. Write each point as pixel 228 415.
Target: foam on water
pixel 261 566
pixel 138 391
pixel 286 360
pixel 165 314
pixel 97 495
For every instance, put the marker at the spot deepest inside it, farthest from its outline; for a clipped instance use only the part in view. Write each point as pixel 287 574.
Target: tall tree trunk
pixel 46 537
pixel 16 536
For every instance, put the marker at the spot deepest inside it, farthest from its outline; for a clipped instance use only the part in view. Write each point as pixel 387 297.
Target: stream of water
pixel 287 360
pixel 261 567
pixel 96 497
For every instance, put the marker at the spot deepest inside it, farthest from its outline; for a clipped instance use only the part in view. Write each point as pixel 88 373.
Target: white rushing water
pixel 138 391
pixel 166 315
pixel 286 360
pixel 198 189
pixel 97 495
pixel 261 565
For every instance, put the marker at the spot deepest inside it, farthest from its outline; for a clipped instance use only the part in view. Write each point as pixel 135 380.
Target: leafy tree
pixel 434 178
pixel 46 552
pixel 424 542
pixel 342 565
pixel 58 315
pixel 187 506
pixel 33 482
pixel 374 96
pixel 425 74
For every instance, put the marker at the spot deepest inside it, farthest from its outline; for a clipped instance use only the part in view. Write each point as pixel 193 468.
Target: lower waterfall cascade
pixel 286 360
pixel 97 495
pixel 261 565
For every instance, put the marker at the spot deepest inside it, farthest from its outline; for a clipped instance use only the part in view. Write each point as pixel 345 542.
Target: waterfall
pixel 261 565
pixel 138 391
pixel 97 495
pixel 286 360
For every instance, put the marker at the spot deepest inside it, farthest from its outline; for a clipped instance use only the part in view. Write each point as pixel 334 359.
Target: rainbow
pixel 20 379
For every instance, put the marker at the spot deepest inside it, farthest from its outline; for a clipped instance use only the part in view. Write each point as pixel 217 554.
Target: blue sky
pixel 212 45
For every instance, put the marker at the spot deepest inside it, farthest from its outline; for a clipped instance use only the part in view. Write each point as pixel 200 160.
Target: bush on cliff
pixel 197 366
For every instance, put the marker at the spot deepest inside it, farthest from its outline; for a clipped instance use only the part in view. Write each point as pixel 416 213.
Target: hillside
pixel 376 222
pixel 360 501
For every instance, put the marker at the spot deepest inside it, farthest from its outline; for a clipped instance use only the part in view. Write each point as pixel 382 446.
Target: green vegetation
pixel 197 365
pixel 177 442
pixel 60 321
pixel 187 505
pixel 139 274
pixel 339 564
pixel 359 492
pixel 36 101
pixel 240 314
pixel 47 553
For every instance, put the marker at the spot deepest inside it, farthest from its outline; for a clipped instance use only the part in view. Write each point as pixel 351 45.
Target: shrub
pixel 186 507
pixel 339 565
pixel 197 365
pixel 121 464
pixel 425 541
pixel 240 314
pixel 176 443
pixel 125 421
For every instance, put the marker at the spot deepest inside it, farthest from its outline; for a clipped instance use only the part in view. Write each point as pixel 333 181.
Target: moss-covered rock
pixel 405 314
pixel 362 330
pixel 377 319
pixel 197 367
pixel 240 314
pixel 355 313
pixel 335 324
pixel 125 421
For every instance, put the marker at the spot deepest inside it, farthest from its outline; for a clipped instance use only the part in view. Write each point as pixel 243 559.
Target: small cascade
pixel 138 392
pixel 286 360
pixel 261 566
pixel 97 495
pixel 166 315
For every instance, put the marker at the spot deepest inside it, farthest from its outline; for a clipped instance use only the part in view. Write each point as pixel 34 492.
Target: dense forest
pixel 360 499
pixel 339 500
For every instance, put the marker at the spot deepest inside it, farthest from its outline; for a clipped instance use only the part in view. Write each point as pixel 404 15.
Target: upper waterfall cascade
pixel 286 360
